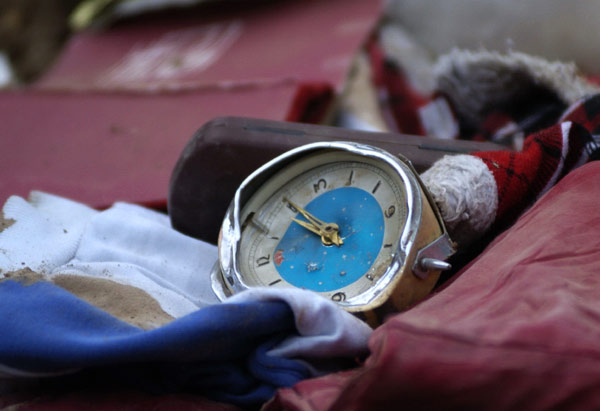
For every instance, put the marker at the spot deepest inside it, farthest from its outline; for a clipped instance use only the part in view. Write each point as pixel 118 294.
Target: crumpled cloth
pixel 471 95
pixel 517 329
pixel 239 351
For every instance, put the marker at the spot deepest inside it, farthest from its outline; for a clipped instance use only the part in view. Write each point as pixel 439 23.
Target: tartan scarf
pixel 545 112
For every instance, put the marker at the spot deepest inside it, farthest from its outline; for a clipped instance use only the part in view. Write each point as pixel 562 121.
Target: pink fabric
pixel 519 328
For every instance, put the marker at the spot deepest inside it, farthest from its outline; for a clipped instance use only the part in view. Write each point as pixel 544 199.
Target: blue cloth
pixel 219 351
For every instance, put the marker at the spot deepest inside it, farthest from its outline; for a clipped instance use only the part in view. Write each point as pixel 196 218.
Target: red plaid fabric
pixel 586 113
pixel 547 156
pixel 311 102
pixel 399 102
pixel 549 138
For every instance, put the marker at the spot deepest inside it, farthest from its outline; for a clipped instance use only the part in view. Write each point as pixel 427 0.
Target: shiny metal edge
pixel 216 280
pixel 231 278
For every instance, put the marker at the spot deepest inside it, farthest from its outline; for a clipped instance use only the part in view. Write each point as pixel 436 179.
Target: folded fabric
pixel 516 329
pixel 77 284
pixel 479 95
pixel 48 331
pixel 126 244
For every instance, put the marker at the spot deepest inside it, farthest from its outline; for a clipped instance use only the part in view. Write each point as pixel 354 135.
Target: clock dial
pixel 330 223
pixel 346 220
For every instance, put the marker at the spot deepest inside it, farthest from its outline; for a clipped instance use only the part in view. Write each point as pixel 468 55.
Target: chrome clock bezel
pixel 226 276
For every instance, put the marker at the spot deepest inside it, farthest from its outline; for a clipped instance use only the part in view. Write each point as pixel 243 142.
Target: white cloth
pixel 127 244
pixel 132 245
pixel 333 332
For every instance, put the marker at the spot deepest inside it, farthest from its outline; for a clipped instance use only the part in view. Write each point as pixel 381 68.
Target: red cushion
pixel 519 328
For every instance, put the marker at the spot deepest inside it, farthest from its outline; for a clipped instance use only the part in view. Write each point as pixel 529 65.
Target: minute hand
pixel 309 226
pixel 311 218
pixel 327 231
pixel 314 220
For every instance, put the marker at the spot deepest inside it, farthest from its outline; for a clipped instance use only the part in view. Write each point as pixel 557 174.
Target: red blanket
pixel 517 329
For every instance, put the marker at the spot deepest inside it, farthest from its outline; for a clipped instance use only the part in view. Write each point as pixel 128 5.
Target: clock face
pixel 330 222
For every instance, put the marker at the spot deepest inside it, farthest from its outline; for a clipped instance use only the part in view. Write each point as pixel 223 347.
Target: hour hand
pixel 329 232
pixel 308 226
pixel 311 218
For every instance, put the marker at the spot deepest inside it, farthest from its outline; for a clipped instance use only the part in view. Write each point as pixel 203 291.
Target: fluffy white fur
pixel 466 193
pixel 479 80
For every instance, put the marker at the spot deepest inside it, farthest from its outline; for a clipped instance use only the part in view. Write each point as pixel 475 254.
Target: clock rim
pixel 227 278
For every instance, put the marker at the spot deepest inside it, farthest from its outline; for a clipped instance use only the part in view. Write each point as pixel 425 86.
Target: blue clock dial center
pixel 303 261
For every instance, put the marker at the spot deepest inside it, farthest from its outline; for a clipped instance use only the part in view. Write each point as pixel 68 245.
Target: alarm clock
pixel 346 220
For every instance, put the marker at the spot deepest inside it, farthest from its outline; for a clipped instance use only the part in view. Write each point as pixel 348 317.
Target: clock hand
pixel 311 218
pixel 329 232
pixel 308 226
pixel 331 235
